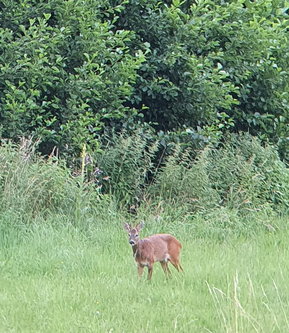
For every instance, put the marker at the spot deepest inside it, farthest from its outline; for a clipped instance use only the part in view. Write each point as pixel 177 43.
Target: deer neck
pixel 135 250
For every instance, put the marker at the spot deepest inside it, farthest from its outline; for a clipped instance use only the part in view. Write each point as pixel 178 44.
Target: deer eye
pixel 136 235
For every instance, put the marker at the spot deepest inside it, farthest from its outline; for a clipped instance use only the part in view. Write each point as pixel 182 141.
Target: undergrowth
pixel 223 188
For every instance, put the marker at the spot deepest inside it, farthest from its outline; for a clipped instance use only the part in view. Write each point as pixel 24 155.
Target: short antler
pixel 127 227
pixel 140 226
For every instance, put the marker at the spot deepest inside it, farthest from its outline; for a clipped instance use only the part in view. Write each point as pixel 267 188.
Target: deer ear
pixel 140 226
pixel 126 227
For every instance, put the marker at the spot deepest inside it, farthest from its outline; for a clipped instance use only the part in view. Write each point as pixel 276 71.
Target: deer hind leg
pixel 166 268
pixel 180 267
pixel 175 257
pixel 176 263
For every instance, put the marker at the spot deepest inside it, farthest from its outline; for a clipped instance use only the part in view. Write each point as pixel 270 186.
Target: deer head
pixel 133 232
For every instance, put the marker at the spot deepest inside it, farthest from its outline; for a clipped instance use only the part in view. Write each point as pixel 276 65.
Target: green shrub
pixel 128 162
pixel 241 174
pixel 64 72
pixel 216 65
pixel 71 70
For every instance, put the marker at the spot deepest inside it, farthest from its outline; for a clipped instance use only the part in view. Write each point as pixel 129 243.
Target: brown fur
pixel 160 247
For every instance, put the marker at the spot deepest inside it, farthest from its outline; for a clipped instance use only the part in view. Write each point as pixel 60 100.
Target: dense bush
pixel 64 72
pixel 72 69
pixel 216 65
pixel 145 101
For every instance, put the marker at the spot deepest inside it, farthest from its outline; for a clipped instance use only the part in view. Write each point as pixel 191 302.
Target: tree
pixel 64 72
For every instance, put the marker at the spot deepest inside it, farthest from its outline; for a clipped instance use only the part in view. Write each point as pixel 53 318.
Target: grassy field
pixel 68 279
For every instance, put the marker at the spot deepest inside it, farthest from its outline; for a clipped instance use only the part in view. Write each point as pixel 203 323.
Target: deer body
pixel 160 247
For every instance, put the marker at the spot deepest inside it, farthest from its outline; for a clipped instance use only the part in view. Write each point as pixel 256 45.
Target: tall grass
pixel 30 185
pixel 240 175
pixel 232 184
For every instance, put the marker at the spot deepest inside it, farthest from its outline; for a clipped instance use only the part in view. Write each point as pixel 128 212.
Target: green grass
pixel 67 279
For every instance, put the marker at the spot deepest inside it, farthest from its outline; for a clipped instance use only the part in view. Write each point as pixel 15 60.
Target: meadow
pixel 66 265
pixel 63 278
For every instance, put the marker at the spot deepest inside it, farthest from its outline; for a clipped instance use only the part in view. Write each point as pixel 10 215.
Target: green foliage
pixel 253 174
pixel 145 86
pixel 64 73
pixel 240 175
pixel 184 182
pixel 71 69
pixel 128 162
pixel 178 85
pixel 215 66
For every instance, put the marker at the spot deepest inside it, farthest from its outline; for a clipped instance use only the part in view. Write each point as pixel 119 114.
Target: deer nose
pixel 132 242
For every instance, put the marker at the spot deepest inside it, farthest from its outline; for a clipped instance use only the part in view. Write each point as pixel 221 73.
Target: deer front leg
pixel 150 271
pixel 140 270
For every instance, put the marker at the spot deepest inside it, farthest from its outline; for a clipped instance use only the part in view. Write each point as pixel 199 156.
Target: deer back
pixel 159 247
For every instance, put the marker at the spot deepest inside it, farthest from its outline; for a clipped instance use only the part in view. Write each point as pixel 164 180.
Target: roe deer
pixel 159 247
